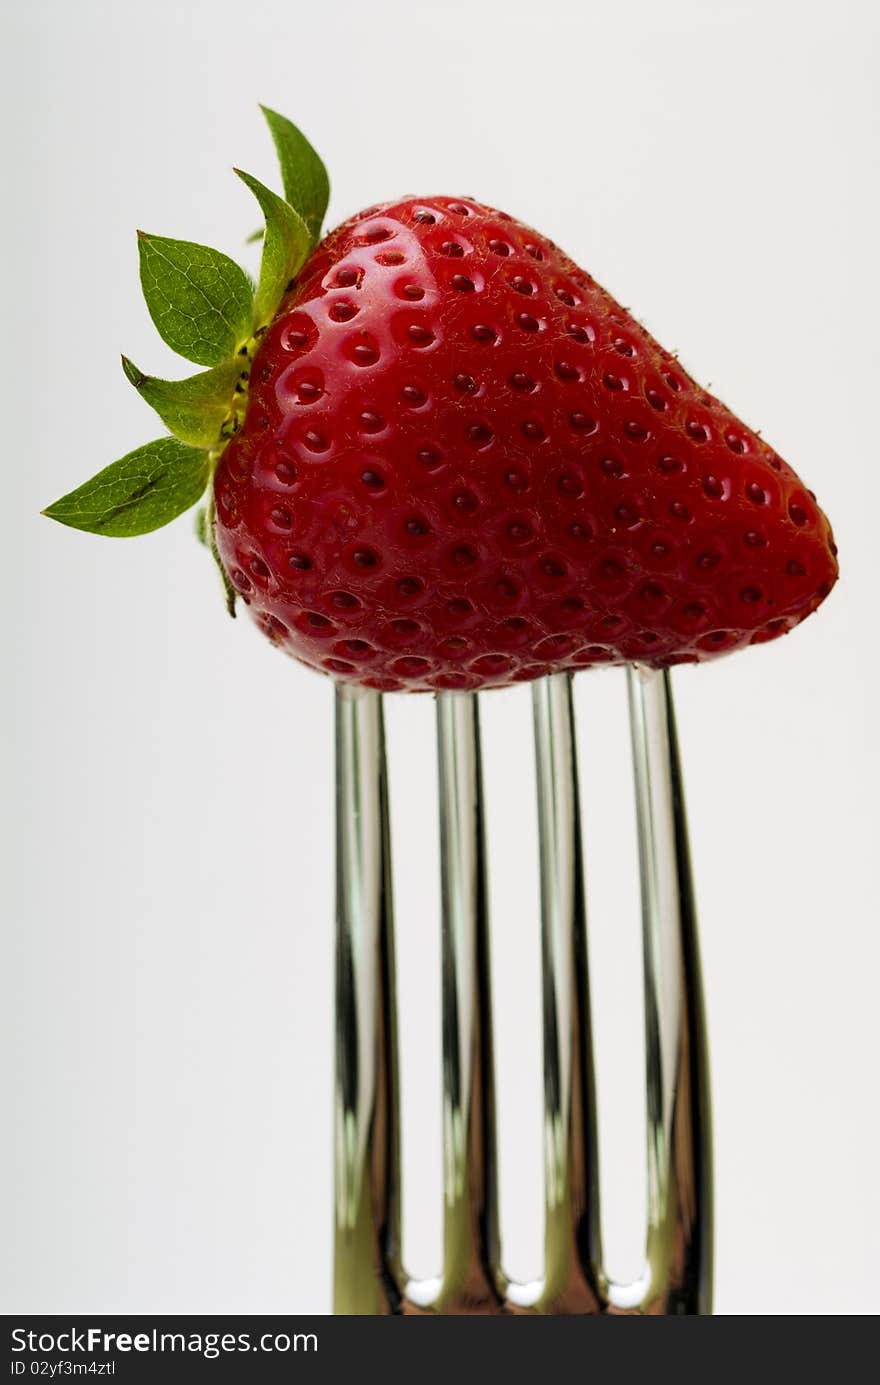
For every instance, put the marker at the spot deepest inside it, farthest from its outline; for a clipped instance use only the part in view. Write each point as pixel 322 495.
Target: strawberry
pixel 444 458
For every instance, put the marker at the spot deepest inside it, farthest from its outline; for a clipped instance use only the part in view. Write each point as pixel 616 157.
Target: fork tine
pixel 679 1156
pixel 367 1226
pixel 471 1275
pixel 368 1274
pixel 572 1240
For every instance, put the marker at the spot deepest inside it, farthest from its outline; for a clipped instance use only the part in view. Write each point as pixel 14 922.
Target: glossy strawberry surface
pixel 463 464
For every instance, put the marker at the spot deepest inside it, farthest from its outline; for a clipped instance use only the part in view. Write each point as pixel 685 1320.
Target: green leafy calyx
pixel 207 310
pixel 200 410
pixel 286 246
pixel 306 185
pixel 142 491
pixel 200 301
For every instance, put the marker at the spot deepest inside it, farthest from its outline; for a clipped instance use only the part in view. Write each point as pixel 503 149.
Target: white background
pixel 168 916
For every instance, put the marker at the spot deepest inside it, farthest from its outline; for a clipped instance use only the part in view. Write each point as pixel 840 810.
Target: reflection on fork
pixel 369 1276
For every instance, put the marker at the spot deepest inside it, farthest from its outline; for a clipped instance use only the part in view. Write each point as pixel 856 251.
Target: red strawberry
pixel 463 464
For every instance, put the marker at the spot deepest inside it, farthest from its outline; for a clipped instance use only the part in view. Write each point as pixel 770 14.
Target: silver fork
pixel 369 1275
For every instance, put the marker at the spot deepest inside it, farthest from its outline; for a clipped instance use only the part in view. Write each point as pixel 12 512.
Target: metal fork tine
pixel 471 1275
pixel 572 1240
pixel 679 1156
pixel 367 1220
pixel 368 1273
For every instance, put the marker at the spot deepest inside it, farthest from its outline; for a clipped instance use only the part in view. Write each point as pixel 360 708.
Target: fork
pixel 368 1273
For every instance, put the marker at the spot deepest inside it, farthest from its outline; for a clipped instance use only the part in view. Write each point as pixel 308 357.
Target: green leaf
pixel 142 491
pixel 193 409
pixel 285 249
pixel 201 526
pixel 199 299
pixel 229 591
pixel 206 533
pixel 306 185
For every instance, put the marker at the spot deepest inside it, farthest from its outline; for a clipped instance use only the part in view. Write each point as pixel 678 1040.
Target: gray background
pixel 168 811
